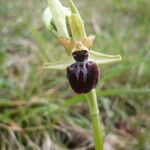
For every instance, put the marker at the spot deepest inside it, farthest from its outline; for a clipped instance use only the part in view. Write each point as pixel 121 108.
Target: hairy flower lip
pixel 83 76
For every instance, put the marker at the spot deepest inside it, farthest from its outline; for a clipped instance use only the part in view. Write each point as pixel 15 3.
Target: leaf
pixel 100 58
pixel 60 65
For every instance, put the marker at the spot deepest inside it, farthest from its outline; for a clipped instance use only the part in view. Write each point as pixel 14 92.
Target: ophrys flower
pixel 81 62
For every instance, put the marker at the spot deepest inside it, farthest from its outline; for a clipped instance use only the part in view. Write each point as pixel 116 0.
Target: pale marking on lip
pixel 81 67
pixel 84 71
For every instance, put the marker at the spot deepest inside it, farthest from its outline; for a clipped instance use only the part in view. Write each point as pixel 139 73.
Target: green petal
pixel 100 58
pixel 60 65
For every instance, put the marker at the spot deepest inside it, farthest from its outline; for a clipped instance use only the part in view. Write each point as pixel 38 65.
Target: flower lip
pixel 80 55
pixel 83 76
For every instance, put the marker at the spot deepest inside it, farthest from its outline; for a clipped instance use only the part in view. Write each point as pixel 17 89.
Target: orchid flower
pixel 81 61
pixel 56 16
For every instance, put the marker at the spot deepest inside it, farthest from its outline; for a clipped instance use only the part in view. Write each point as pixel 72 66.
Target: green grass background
pixel 38 105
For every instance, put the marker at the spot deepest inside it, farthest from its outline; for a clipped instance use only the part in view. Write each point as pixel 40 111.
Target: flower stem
pixel 78 32
pixel 95 118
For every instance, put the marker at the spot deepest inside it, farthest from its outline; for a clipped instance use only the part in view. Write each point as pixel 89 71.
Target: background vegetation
pixel 38 109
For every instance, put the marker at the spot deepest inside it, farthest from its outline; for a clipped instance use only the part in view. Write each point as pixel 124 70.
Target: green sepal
pixel 59 17
pixel 96 57
pixel 76 23
pixel 47 18
pixel 101 58
pixel 60 65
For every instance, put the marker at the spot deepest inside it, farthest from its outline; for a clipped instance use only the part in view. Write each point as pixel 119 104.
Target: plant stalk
pixel 78 32
pixel 95 118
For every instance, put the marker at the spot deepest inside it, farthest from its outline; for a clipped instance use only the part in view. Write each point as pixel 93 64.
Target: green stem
pixel 95 117
pixel 78 32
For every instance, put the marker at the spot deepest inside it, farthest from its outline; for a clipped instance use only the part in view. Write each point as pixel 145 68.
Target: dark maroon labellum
pixel 83 74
